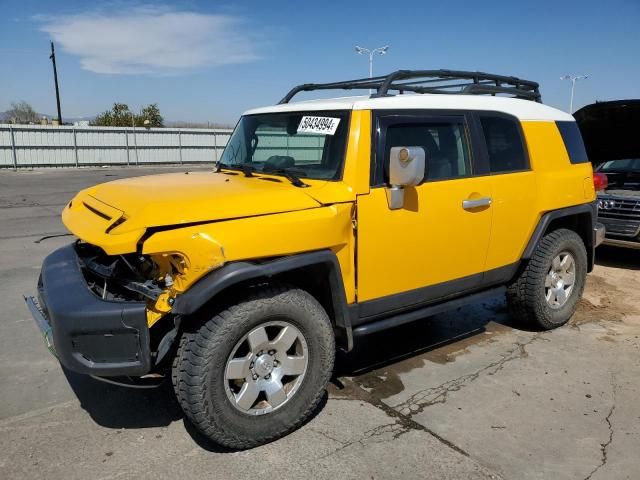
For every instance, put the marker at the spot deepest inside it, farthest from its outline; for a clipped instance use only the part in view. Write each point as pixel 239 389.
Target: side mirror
pixel 406 169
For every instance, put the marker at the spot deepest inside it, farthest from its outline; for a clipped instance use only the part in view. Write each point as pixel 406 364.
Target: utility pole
pixel 55 78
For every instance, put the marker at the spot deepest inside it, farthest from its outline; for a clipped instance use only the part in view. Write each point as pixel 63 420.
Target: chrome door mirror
pixel 406 169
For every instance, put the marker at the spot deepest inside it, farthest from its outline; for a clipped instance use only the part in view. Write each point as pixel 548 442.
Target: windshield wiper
pixel 245 168
pixel 220 166
pixel 248 169
pixel 290 174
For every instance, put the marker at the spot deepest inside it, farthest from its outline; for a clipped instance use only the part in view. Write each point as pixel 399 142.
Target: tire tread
pixel 191 367
pixel 524 295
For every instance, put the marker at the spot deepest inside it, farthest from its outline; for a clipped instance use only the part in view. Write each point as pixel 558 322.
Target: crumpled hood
pixel 115 214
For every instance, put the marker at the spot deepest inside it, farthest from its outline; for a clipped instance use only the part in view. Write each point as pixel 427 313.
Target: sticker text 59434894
pixel 322 125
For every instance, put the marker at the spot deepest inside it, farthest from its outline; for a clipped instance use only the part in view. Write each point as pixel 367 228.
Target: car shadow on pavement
pixel 618 257
pixel 113 406
pixel 436 336
pixel 116 407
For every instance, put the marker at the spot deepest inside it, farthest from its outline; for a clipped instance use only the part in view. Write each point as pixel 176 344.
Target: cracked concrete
pixel 422 399
pixel 605 446
pixel 348 439
pixel 529 405
pixel 467 394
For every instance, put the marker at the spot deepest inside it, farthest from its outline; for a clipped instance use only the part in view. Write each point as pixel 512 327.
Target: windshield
pixel 305 144
pixel 626 165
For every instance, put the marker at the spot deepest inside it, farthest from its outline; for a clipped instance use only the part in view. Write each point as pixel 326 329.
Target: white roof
pixel 525 110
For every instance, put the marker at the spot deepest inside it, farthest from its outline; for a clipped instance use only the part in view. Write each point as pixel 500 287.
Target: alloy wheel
pixel 266 367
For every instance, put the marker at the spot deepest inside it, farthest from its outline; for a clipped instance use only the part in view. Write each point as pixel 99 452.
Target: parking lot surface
pixel 467 394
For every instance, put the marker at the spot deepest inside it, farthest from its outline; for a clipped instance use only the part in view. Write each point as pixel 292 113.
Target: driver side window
pixel 446 147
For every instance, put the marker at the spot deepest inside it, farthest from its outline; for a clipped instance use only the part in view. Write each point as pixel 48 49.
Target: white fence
pixel 48 146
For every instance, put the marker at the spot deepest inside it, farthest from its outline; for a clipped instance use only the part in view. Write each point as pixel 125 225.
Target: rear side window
pixel 504 144
pixel 573 141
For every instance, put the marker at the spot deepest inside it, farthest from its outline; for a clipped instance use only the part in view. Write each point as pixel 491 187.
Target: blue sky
pixel 209 61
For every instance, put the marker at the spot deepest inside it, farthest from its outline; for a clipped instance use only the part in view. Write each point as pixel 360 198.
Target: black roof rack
pixel 432 81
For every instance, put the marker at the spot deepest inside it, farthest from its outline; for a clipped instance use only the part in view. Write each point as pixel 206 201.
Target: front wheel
pixel 255 371
pixel 547 292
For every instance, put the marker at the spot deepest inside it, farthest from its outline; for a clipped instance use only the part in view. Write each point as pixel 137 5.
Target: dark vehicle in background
pixel 611 134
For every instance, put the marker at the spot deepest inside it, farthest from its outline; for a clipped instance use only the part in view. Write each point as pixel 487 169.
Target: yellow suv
pixel 324 220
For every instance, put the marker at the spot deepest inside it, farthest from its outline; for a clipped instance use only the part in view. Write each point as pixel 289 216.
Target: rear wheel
pixel 255 371
pixel 547 292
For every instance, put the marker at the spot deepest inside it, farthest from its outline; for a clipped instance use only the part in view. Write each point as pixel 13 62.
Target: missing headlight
pixel 119 277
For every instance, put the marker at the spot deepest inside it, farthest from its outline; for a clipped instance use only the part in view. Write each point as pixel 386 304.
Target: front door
pixel 437 243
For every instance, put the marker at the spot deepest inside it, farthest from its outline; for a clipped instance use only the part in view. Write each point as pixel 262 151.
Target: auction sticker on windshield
pixel 322 125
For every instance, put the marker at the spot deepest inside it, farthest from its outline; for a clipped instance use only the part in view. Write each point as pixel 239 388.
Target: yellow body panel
pixel 561 184
pixel 93 220
pixel 177 198
pixel 515 215
pixel 520 199
pixel 358 158
pixel 210 219
pixel 258 238
pixel 429 241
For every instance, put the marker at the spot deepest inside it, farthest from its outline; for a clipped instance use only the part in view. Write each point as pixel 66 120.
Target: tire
pixel 202 364
pixel 532 295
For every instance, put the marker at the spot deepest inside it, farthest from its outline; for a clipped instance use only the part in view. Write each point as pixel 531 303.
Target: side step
pixel 433 309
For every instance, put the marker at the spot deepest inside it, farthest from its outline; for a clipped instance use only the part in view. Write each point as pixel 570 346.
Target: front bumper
pixel 88 334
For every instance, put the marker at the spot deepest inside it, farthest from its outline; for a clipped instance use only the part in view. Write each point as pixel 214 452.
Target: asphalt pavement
pixel 467 394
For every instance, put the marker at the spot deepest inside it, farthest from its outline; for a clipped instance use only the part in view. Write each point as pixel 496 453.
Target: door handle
pixel 480 202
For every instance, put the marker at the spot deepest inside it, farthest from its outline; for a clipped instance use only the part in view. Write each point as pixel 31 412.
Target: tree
pixel 118 116
pixel 22 112
pixel 121 116
pixel 152 113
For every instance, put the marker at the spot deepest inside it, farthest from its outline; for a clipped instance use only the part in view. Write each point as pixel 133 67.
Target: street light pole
pixel 573 79
pixel 55 78
pixel 371 53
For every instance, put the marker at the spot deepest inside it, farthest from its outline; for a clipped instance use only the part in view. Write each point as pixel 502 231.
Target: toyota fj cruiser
pixel 323 221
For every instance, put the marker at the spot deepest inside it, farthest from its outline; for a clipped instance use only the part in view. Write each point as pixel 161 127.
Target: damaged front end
pixel 95 311
pixel 88 333
pixel 133 276
pixel 120 277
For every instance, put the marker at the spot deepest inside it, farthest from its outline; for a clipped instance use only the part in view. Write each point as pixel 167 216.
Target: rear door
pixel 513 183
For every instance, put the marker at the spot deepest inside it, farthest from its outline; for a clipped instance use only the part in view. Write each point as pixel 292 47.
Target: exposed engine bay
pixel 122 277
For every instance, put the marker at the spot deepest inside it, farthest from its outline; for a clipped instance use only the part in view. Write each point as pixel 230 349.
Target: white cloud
pixel 151 40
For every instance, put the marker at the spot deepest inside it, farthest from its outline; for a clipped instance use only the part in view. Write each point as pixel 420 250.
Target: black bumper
pixel 88 334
